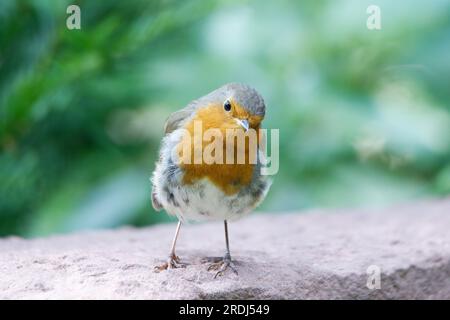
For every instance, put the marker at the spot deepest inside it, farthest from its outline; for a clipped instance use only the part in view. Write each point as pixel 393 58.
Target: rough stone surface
pixel 318 254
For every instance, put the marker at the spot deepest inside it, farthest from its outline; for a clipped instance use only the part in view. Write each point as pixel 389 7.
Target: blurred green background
pixel 364 116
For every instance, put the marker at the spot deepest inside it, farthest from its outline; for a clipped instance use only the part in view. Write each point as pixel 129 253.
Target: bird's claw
pixel 172 263
pixel 221 265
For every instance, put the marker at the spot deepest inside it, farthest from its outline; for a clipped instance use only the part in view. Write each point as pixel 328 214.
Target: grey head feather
pixel 243 94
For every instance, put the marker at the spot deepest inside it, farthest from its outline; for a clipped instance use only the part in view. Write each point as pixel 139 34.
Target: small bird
pixel 206 191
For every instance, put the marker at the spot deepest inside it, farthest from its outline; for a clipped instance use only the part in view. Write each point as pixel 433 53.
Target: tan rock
pixel 312 255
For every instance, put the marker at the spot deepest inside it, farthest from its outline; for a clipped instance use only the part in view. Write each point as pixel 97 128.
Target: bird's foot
pixel 220 264
pixel 172 263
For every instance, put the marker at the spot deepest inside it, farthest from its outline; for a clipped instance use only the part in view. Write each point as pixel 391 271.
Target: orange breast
pixel 230 178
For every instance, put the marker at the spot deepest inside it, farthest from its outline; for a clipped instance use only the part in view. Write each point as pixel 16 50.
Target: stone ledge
pixel 316 255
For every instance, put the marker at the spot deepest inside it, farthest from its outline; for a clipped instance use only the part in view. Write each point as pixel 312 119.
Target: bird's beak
pixel 243 123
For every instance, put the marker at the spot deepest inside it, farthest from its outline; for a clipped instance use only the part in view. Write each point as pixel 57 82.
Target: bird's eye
pixel 227 105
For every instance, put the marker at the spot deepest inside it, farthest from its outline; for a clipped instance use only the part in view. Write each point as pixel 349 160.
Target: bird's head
pixel 232 106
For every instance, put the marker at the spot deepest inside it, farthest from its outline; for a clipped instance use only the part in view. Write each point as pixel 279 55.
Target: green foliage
pixel 364 116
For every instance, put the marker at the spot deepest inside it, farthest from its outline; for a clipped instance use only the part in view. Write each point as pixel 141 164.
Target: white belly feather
pixel 201 200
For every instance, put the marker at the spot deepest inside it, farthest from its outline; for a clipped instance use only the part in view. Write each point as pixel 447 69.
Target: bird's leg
pixel 173 260
pixel 222 264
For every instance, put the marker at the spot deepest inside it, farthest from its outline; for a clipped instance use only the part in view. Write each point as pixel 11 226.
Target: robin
pixel 211 190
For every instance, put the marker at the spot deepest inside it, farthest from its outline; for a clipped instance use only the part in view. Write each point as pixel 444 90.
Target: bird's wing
pixel 155 202
pixel 176 119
